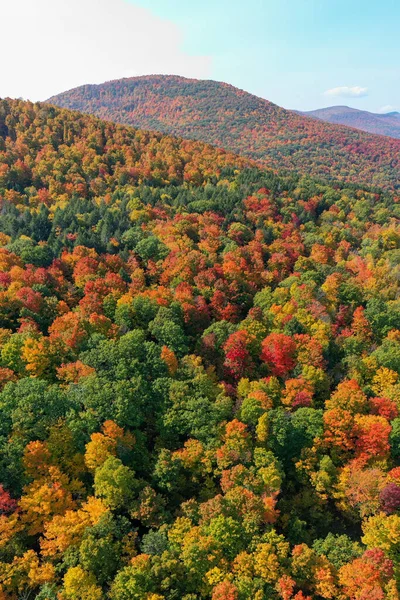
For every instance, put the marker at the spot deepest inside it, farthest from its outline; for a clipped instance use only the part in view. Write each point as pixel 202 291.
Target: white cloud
pixel 55 45
pixel 347 92
pixel 387 109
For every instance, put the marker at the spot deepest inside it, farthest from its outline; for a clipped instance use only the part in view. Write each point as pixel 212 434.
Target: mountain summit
pixel 382 124
pixel 240 122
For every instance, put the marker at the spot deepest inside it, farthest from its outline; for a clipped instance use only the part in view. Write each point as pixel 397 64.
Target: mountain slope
pixel 199 372
pixel 242 123
pixel 123 154
pixel 382 124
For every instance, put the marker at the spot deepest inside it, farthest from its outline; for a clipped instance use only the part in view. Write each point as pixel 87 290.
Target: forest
pixel 199 372
pixel 230 118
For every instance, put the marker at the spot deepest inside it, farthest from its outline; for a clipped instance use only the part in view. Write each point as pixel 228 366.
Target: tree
pixel 382 531
pixel 106 444
pixel 225 591
pixel 238 361
pixel 65 531
pixel 348 396
pixel 168 356
pixel 278 352
pixel 358 489
pixel 44 498
pixel 228 534
pixel 115 483
pixel 339 549
pixel 7 504
pixel 372 434
pixel 390 498
pixel 167 329
pixel 270 556
pixel 80 585
pixel 135 581
pixel 297 393
pixel 236 447
pixel 366 577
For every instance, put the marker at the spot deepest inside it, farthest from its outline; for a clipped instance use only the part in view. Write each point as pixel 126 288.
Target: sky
pixel 301 54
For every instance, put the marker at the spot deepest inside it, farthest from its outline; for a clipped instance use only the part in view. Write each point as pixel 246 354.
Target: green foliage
pixel 115 484
pixel 339 549
pixel 199 371
pixel 388 355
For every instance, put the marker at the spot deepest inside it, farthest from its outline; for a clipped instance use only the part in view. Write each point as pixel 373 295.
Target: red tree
pixel 278 351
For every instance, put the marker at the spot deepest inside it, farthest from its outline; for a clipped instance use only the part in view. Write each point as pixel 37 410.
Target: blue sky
pixel 292 51
pixel 301 54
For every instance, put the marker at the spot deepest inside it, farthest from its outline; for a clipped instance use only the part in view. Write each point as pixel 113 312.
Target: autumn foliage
pixel 199 372
pixel 275 137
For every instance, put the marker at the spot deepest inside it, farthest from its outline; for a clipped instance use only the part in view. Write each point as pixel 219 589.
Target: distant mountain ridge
pixel 382 124
pixel 222 115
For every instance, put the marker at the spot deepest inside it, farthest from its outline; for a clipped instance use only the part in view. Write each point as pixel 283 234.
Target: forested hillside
pixel 227 117
pixel 199 367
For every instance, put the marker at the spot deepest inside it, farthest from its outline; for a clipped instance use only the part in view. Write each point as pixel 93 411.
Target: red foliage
pixel 372 436
pixel 7 504
pixel 30 299
pixel 384 407
pixel 278 351
pixel 238 361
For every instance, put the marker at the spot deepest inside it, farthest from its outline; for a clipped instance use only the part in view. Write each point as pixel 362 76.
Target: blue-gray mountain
pixel 382 124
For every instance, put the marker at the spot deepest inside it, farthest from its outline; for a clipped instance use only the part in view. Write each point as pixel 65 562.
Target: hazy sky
pixel 298 53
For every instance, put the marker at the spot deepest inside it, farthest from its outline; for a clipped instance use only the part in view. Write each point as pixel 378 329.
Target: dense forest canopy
pixel 222 115
pixel 199 367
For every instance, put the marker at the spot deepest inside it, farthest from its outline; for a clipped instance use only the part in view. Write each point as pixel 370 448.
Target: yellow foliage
pixel 67 530
pixel 315 376
pixel 243 565
pixel 23 573
pixel 392 591
pixel 98 450
pixel 81 585
pixel 266 563
pixel 215 576
pixel 267 559
pixel 382 531
pixel 39 573
pixel 384 378
pixel 36 356
pixel 9 526
pixel 179 529
pixel 45 498
pixel 4 239
pixel 271 478
pixel 262 429
pixel 103 445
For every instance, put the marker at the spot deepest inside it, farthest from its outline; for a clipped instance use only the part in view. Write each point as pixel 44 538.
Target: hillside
pixel 382 124
pixel 230 118
pixel 199 372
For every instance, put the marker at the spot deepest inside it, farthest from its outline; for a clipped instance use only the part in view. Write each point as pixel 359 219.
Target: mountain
pixel 227 117
pixel 382 124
